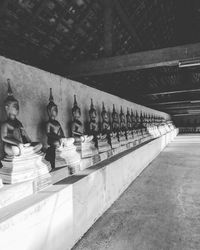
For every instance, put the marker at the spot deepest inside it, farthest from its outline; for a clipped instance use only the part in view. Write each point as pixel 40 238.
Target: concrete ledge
pixel 57 217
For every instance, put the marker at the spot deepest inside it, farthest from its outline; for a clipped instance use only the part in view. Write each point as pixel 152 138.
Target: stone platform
pixel 53 218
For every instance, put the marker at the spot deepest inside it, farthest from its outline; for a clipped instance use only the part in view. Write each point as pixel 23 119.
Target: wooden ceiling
pixel 61 35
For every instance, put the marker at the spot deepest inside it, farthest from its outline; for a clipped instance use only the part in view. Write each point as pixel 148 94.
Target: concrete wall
pixel 57 217
pixel 31 87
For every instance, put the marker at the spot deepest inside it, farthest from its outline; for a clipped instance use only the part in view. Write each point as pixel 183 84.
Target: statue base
pixel 115 143
pixel 103 145
pixel 123 140
pixel 67 155
pixel 30 165
pixel 88 149
pixel 85 146
pixel 130 138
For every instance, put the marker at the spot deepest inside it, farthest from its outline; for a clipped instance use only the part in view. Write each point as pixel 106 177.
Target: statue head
pixel 52 108
pixel 145 119
pixel 133 118
pixel 92 111
pixel 141 118
pixel 137 118
pixel 104 113
pixel 149 118
pixel 115 116
pixel 11 104
pixel 128 116
pixel 122 116
pixel 76 111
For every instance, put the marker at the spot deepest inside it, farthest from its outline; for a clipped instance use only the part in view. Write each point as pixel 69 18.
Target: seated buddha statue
pixel 93 125
pixel 129 126
pixel 123 128
pixel 137 125
pixel 61 151
pixel 15 139
pixel 54 130
pixel 157 126
pixel 133 121
pixel 84 143
pixel 146 126
pixel 149 125
pixel 19 151
pixel 141 124
pixel 104 142
pixel 77 126
pixel 115 129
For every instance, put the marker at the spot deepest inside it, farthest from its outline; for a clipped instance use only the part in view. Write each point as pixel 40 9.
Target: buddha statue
pixel 123 128
pixel 115 140
pixel 61 151
pixel 143 124
pixel 115 122
pixel 23 159
pixel 138 126
pixel 149 126
pixel 93 125
pixel 53 128
pixel 157 125
pixel 77 126
pixel 129 127
pixel 105 125
pixel 104 138
pixel 134 126
pixel 84 143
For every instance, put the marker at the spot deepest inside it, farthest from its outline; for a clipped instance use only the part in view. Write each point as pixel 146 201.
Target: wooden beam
pixel 141 60
pixel 185 114
pixel 108 27
pixel 182 107
pixel 173 92
pixel 173 102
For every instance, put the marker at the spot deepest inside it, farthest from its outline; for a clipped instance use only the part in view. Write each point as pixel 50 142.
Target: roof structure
pixel 104 39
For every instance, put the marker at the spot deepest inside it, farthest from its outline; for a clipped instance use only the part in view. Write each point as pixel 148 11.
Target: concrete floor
pixel 161 208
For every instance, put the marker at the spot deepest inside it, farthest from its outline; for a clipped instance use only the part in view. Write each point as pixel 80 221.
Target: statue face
pixel 123 119
pixel 128 117
pixel 54 112
pixel 12 109
pixel 115 117
pixel 93 115
pixel 105 117
pixel 77 114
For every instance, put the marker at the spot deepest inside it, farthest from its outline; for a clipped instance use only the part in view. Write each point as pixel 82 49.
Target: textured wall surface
pixel 31 87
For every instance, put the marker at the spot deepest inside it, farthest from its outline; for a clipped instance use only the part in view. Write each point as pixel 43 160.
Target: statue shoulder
pixel 18 123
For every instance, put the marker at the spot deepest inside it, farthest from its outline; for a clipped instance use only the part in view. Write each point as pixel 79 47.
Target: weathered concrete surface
pixel 160 210
pixel 58 216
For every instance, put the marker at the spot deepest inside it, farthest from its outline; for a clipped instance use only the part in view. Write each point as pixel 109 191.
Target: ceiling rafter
pixel 168 92
pixel 169 103
pixel 135 61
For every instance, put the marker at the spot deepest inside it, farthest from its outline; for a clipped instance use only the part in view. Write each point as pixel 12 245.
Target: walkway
pixel 160 210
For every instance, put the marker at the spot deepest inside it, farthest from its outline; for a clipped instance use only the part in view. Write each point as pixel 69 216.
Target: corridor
pixel 160 210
